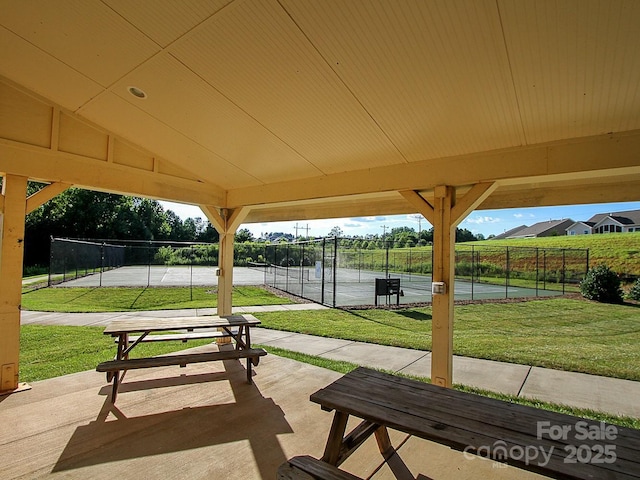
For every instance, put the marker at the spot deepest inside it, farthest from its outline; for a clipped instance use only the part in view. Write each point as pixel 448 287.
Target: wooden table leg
pixel 384 442
pixel 249 379
pixel 123 343
pixel 334 442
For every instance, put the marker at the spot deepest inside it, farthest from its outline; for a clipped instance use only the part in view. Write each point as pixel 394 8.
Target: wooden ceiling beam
pixel 575 159
pixel 38 163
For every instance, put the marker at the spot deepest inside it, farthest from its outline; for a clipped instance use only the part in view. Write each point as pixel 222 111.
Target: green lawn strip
pixel 560 333
pixel 346 367
pixel 618 251
pixel 122 299
pixel 50 351
pixel 521 283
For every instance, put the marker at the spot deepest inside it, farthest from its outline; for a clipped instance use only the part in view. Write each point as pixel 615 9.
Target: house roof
pixel 542 227
pixel 296 109
pixel 629 217
pixel 586 224
pixel 509 233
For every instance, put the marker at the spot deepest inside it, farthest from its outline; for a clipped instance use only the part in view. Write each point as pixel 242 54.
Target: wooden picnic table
pixel 149 329
pixel 553 444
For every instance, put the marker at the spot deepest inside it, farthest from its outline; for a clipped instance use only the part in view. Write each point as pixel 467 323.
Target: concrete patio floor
pixel 202 421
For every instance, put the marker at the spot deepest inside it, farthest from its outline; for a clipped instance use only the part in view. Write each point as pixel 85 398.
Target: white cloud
pixel 518 215
pixel 483 220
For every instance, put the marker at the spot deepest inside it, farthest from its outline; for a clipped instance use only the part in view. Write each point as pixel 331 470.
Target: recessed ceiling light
pixel 136 92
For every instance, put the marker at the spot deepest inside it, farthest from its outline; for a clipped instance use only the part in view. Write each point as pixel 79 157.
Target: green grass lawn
pixel 50 351
pixel 123 299
pixel 619 251
pixel 561 333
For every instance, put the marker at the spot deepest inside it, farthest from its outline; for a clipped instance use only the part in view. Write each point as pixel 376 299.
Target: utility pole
pixel 419 218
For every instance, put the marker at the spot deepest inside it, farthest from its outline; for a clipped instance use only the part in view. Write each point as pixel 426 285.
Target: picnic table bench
pixel 553 444
pixel 236 327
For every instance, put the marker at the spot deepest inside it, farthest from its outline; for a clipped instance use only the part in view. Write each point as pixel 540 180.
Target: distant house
pixel 581 228
pixel 508 233
pixel 628 221
pixel 542 229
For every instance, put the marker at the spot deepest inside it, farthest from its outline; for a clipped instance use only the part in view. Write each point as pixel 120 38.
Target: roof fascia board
pixel 573 159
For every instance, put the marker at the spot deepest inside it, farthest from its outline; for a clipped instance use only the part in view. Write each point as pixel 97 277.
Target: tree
pixel 336 232
pixel 464 235
pixel 244 235
pixel 79 213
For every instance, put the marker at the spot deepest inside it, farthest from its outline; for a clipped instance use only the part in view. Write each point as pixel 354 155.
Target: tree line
pixel 85 214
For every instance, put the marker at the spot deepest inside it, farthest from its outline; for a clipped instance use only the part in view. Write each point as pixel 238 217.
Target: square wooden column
pixel 225 279
pixel 445 213
pixel 226 222
pixel 444 237
pixel 12 225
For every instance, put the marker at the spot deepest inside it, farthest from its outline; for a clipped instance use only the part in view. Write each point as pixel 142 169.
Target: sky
pixel 486 222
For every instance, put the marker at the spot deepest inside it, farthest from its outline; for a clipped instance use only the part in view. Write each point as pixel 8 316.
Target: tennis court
pixel 357 287
pixel 348 288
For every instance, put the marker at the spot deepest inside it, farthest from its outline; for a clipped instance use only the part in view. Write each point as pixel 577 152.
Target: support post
pixel 443 271
pixel 445 213
pixel 225 279
pixel 12 226
pixel 226 222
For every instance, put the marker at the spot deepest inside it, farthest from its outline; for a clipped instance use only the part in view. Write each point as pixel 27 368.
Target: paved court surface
pixel 351 287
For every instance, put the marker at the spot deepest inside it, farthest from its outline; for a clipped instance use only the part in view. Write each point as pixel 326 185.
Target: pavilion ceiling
pixel 313 109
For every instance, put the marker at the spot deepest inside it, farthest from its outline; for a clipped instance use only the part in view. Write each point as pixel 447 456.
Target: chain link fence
pixel 338 272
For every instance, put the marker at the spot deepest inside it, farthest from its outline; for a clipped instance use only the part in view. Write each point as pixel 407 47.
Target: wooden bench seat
pixel 114 367
pixel 308 468
pixel 180 359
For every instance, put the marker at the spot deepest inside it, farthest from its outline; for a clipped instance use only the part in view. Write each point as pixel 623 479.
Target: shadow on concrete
pixel 114 436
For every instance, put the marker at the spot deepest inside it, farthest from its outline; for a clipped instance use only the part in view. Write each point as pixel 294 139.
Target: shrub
pixel 634 293
pixel 602 285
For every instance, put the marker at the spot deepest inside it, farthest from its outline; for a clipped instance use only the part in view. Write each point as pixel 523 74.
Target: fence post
pixel 544 269
pixel 506 277
pixel 191 274
pixel 50 259
pixel 302 271
pixel 286 261
pixel 537 268
pixel 101 261
pixel 563 268
pixel 587 271
pixel 386 267
pixel 148 264
pixel 335 265
pixel 322 275
pixel 473 268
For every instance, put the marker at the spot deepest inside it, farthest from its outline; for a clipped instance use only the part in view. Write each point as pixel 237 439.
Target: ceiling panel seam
pixel 511 76
pixel 51 56
pixel 342 81
pixel 258 122
pixel 174 130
